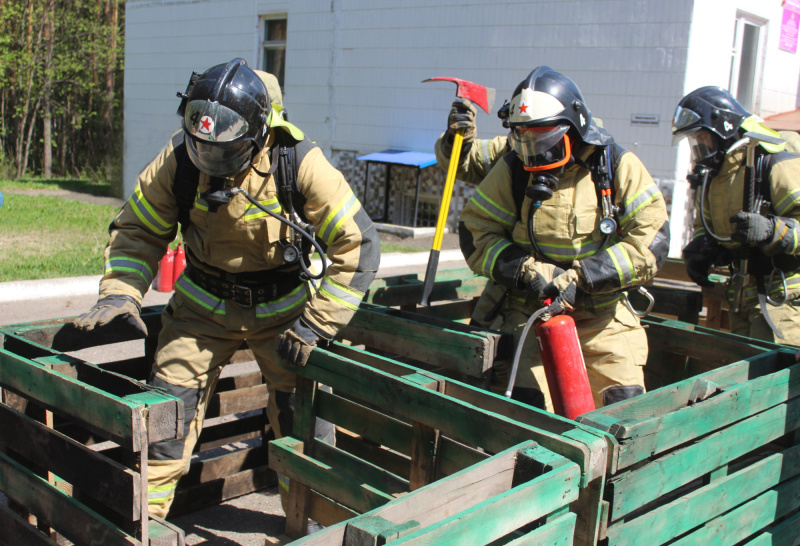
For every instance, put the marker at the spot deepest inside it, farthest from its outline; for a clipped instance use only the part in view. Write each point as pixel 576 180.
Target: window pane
pixel 275 30
pixel 274 62
pixel 747 66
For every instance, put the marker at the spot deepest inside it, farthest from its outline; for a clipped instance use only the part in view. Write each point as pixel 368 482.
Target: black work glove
pixel 698 261
pixel 751 228
pixel 297 343
pixel 563 291
pixel 112 309
pixel 462 119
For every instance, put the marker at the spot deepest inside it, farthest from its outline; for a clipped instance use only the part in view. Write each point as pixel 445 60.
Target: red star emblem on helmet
pixel 206 124
pixel 523 108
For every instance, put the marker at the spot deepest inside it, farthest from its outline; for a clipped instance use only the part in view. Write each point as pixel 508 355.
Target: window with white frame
pixel 749 39
pixel 273 46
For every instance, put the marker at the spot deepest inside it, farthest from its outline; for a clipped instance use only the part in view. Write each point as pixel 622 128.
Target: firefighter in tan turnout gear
pixel 567 215
pixel 765 304
pixel 248 275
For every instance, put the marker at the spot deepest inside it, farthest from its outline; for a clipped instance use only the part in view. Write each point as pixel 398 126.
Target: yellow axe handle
pixel 444 210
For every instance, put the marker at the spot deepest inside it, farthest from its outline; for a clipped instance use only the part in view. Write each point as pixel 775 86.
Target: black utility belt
pixel 242 289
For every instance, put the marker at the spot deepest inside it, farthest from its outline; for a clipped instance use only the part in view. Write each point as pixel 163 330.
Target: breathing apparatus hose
pixel 296 228
pixel 512 376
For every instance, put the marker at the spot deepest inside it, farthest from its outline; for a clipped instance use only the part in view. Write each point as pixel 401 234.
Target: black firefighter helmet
pixel 225 112
pixel 710 117
pixel 547 115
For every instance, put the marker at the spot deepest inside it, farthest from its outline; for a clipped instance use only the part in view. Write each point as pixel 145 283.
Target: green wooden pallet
pixel 711 459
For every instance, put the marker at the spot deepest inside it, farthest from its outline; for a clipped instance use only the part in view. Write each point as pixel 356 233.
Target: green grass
pixel 85 186
pixel 45 237
pixel 386 248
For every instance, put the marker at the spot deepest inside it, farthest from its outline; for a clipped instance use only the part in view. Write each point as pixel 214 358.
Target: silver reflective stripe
pixel 252 212
pixel 330 227
pixel 640 200
pixel 189 289
pixel 487 165
pixel 144 211
pixel 293 299
pixel 786 203
pixel 341 294
pixel 622 263
pixel 129 265
pixel 159 494
pixel 492 209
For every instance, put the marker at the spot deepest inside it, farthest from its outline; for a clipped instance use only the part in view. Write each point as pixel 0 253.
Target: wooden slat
pixel 237 401
pixel 238 430
pixel 63 513
pixel 286 458
pixel 358 469
pixel 464 352
pixel 452 417
pixel 749 518
pixel 118 417
pixel 15 530
pixel 215 468
pixel 689 511
pixel 786 532
pixel 645 438
pixel 164 533
pixel 105 480
pixel 556 532
pixel 217 491
pixel 635 488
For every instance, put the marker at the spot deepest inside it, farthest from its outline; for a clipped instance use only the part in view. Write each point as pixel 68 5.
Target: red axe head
pixel 478 94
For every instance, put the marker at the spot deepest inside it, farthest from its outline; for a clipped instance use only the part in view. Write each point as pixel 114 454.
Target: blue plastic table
pixel 419 160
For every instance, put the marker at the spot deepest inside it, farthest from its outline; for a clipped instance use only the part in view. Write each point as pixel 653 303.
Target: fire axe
pixel 483 97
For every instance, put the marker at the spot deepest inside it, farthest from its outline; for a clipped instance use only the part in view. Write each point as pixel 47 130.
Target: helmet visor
pixel 703 145
pixel 219 159
pixel 213 122
pixel 683 118
pixel 541 148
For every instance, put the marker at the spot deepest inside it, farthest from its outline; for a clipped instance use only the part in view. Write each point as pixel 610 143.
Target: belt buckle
pixel 242 295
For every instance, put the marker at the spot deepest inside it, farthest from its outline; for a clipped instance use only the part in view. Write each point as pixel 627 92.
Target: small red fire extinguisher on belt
pixel 165 271
pixel 563 363
pixel 179 265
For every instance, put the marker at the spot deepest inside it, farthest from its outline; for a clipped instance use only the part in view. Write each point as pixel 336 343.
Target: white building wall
pixel 355 67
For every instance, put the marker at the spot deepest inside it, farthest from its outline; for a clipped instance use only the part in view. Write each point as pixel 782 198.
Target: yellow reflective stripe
pixel 129 265
pixel 491 208
pixel 144 211
pixel 201 297
pixel 487 266
pixel 251 212
pixel 341 294
pixel 161 493
pixel 295 298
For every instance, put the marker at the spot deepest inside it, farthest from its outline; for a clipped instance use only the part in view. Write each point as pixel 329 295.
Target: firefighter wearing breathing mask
pixel 247 278
pixel 565 218
pixel 765 304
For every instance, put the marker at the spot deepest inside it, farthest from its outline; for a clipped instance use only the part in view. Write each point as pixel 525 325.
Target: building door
pixel 747 60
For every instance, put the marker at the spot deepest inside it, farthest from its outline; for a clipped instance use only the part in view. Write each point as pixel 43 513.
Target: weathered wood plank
pixel 786 532
pixel 214 468
pixel 556 532
pixel 388 459
pixel 203 495
pixel 749 518
pixel 64 514
pixel 107 481
pixel 285 458
pixel 452 417
pixel 689 511
pixel 16 530
pixel 164 533
pixel 467 353
pixel 237 401
pixel 635 488
pixel 359 469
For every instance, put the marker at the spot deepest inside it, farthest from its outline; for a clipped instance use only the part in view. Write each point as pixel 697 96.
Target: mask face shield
pixel 541 148
pixel 213 122
pixel 683 119
pixel 219 159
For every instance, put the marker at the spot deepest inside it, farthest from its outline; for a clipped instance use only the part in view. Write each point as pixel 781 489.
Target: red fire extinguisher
pixel 563 363
pixel 179 265
pixel 165 281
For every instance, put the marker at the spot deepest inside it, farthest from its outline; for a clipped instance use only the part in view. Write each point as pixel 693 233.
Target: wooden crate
pixel 523 492
pixel 714 459
pixel 400 428
pixel 216 475
pixel 73 449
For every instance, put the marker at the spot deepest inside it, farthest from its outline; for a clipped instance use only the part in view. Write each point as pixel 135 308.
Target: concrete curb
pixel 83 286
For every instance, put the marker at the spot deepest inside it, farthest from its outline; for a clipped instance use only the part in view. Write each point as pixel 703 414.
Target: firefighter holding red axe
pixel 565 215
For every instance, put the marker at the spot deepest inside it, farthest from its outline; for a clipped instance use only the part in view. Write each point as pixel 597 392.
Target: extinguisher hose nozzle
pixel 512 377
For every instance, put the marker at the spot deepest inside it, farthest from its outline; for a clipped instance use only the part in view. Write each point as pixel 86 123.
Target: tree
pixel 61 81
